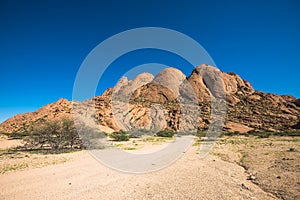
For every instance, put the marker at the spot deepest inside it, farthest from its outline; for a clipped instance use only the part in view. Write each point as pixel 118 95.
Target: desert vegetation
pixel 120 136
pixel 126 135
pixel 270 159
pixel 52 136
pixel 55 136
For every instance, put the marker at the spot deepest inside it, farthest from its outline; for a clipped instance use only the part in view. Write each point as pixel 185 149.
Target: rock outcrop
pixel 22 122
pixel 172 100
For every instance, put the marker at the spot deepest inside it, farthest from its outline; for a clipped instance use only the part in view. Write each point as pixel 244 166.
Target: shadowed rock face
pixel 172 100
pixel 297 126
pixel 197 82
pixel 296 102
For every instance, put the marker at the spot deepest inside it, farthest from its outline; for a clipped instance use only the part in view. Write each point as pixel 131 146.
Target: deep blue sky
pixel 43 43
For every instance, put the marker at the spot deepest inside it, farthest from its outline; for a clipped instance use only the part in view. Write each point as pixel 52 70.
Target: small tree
pixel 56 135
pixel 38 137
pixel 70 133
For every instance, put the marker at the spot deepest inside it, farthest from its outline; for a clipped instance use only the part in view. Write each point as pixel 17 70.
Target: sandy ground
pixel 5 143
pixel 82 177
pixel 274 162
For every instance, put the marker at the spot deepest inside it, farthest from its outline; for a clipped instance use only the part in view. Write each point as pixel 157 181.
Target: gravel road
pixel 84 178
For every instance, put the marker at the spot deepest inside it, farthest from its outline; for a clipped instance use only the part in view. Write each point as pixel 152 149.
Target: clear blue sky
pixel 43 43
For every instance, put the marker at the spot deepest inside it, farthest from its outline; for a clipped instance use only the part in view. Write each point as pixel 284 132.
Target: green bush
pixel 187 133
pixel 200 134
pixel 165 133
pixel 235 133
pixel 120 136
pixel 138 133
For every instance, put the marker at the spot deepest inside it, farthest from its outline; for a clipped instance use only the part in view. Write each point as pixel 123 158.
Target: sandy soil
pixel 273 163
pixel 82 177
pixel 6 143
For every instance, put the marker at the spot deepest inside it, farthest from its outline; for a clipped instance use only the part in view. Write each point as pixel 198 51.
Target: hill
pixel 173 101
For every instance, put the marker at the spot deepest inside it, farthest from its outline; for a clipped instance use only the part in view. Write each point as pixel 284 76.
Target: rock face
pixel 170 78
pixel 173 101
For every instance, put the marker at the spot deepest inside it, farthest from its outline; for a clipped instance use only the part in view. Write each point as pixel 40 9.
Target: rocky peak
pixel 125 88
pixel 143 78
pixel 199 84
pixel 121 83
pixel 170 78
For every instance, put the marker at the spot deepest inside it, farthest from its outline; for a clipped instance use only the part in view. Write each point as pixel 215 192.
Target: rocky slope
pixel 22 122
pixel 172 100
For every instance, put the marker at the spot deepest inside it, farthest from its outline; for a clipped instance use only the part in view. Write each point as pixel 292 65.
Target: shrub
pixel 90 137
pixel 201 134
pixel 16 135
pixel 235 133
pixel 187 133
pixel 138 133
pixel 165 133
pixel 120 136
pixel 288 133
pixel 291 150
pixel 261 134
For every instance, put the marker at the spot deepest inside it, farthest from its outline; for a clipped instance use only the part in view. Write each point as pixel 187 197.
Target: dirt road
pixel 84 178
